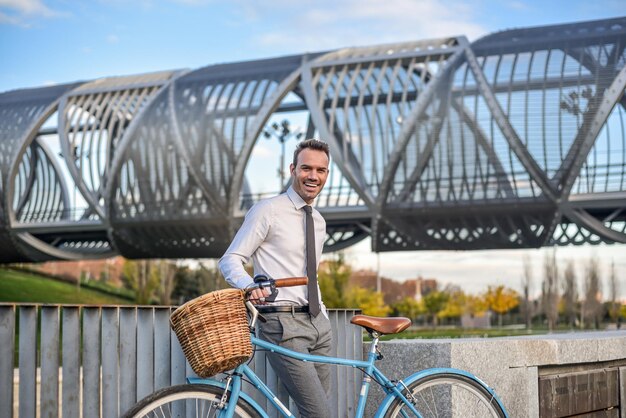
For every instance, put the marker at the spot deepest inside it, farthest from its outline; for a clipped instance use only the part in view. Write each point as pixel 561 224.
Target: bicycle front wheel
pixel 187 401
pixel 447 395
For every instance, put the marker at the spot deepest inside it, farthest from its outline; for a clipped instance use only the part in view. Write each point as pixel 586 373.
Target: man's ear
pixel 292 168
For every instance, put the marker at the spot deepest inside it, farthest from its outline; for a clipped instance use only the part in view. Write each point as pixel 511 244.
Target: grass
pixel 23 287
pixel 430 333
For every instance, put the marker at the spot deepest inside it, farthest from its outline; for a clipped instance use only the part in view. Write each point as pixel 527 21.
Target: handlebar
pixel 262 282
pixel 291 281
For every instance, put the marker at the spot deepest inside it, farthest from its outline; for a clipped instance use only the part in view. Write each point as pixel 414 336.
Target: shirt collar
pixel 295 198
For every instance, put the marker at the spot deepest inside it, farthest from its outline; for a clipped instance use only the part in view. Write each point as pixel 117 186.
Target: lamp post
pixel 283 133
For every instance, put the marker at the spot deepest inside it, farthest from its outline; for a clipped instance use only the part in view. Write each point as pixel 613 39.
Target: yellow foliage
pixel 368 301
pixel 455 306
pixel 501 299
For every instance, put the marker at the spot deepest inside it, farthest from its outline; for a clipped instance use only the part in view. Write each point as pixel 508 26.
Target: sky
pixel 45 42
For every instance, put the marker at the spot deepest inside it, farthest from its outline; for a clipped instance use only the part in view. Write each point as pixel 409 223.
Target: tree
pixel 408 307
pixel 456 305
pixel 368 301
pixel 570 294
pixel 592 307
pixel 139 277
pixel 193 282
pixel 476 305
pixel 613 292
pixel 501 300
pixel 549 290
pixel 209 278
pixel 333 278
pixel 435 302
pixel 527 282
pixel 165 271
pixel 186 285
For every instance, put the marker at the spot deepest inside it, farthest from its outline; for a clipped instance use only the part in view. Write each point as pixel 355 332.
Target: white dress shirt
pixel 273 236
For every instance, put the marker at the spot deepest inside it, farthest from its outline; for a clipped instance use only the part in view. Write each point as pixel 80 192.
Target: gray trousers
pixel 307 383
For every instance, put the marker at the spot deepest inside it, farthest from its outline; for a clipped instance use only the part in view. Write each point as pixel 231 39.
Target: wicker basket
pixel 213 331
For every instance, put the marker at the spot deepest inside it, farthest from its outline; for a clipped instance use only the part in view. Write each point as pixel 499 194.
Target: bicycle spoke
pixel 448 396
pixel 188 401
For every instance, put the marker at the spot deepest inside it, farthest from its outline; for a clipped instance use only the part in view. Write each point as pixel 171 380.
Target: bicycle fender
pixel 386 403
pixel 244 396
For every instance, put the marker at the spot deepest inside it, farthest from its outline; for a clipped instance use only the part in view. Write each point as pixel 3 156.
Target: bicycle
pixel 439 392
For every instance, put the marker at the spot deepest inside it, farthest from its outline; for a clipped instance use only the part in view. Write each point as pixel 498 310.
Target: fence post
pixel 7 348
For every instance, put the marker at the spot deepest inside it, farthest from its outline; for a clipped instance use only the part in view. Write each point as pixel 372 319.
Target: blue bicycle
pixel 439 392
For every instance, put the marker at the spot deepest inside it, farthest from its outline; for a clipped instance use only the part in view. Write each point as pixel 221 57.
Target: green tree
pixel 408 307
pixel 368 301
pixel 333 278
pixel 209 278
pixel 476 305
pixel 501 300
pixel 140 277
pixel 186 285
pixel 456 305
pixel 435 302
pixel 189 283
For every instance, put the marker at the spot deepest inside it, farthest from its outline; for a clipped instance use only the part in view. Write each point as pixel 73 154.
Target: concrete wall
pixel 510 365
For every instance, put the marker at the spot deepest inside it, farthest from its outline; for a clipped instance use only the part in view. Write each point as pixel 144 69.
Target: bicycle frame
pixel 231 387
pixel 394 391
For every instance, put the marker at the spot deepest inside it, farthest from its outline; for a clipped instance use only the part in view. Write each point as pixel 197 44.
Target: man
pixel 274 236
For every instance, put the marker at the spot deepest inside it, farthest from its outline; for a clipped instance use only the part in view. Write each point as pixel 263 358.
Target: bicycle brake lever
pixel 273 294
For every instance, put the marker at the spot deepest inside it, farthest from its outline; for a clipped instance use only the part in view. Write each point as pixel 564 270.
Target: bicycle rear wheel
pixel 187 401
pixel 448 395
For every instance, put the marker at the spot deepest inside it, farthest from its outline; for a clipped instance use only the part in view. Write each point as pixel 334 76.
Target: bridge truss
pixel 517 140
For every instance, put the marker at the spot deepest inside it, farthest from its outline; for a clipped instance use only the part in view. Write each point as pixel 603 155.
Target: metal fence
pixel 97 361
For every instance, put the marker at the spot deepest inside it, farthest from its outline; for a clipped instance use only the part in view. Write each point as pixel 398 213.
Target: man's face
pixel 309 176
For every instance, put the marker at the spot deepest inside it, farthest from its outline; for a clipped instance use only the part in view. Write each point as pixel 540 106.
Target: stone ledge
pixel 508 364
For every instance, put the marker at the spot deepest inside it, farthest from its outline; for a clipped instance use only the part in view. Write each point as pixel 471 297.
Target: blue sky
pixel 44 42
pixel 56 41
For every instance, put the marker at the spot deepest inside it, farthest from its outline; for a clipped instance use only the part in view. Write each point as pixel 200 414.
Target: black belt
pixel 284 308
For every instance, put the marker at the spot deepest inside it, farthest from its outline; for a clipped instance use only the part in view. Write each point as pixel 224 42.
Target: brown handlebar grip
pixel 291 281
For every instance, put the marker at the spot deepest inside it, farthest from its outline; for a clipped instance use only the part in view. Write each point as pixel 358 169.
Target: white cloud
pixel 29 7
pixel 113 39
pixel 473 271
pixel 17 12
pixel 261 151
pixel 314 26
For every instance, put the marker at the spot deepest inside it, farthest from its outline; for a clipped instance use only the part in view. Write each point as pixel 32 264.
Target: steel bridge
pixel 516 140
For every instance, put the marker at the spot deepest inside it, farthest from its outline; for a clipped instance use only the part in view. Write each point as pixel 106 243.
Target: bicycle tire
pixel 448 395
pixel 184 400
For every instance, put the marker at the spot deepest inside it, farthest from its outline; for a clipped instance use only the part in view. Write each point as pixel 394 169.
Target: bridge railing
pixel 97 361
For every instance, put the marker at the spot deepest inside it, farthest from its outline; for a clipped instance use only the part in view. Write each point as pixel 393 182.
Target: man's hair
pixel 314 144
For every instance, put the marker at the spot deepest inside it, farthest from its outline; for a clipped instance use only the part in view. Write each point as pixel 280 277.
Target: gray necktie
pixel 311 265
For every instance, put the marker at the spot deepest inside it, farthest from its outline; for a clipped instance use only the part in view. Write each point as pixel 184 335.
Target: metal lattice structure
pixel 516 140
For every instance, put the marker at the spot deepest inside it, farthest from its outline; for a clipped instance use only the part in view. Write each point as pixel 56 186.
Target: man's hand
pixel 257 297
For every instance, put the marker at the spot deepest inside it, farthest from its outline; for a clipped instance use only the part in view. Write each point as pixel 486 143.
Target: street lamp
pixel 283 133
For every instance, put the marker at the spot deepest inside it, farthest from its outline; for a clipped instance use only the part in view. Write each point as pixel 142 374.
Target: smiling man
pixel 274 236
